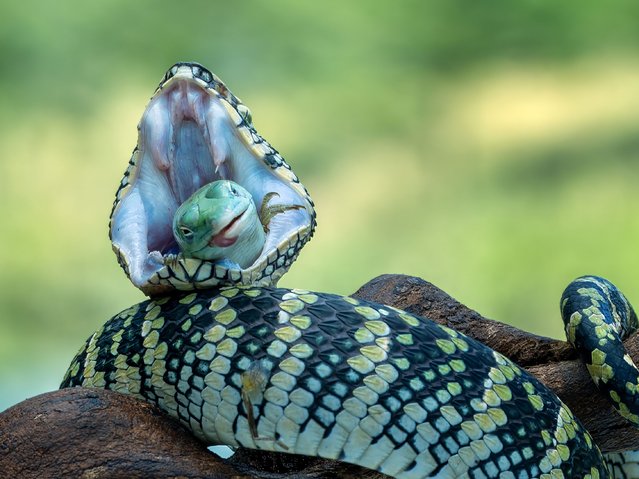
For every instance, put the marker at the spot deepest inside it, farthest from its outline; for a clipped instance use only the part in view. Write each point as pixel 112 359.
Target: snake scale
pixel 241 362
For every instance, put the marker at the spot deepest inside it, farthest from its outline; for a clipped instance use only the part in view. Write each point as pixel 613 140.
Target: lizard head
pixel 219 221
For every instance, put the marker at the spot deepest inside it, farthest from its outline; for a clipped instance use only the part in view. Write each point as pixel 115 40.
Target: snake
pixel 242 362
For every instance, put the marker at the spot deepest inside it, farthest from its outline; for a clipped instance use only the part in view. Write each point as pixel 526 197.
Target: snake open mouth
pixel 194 131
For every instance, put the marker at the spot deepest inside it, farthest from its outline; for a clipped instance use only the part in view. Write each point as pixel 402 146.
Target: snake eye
pixel 186 232
pixel 233 190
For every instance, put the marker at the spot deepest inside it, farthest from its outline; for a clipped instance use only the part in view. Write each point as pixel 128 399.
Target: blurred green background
pixel 491 148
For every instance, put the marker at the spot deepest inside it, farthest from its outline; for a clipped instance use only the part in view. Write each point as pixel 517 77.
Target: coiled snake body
pixel 325 375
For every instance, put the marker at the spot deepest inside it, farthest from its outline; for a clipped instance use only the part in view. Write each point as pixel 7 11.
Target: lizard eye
pixel 186 232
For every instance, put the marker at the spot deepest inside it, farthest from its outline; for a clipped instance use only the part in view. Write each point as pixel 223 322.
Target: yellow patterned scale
pixel 331 376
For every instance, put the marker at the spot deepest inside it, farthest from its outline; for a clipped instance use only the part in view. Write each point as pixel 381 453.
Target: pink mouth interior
pixel 223 241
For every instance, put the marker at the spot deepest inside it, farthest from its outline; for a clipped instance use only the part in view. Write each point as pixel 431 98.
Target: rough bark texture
pixel 99 434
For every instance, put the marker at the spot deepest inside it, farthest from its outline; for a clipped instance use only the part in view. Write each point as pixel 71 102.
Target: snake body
pixel 243 363
pixel 337 378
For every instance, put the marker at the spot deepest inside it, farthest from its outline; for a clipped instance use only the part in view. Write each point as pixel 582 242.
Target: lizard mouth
pixel 195 131
pixel 225 237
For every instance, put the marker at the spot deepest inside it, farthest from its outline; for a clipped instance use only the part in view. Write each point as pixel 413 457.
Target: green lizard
pixel 220 222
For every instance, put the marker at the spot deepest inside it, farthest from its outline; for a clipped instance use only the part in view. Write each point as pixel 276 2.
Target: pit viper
pixel 241 362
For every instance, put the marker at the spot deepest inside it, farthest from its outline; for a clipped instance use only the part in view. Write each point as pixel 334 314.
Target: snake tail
pixel 597 318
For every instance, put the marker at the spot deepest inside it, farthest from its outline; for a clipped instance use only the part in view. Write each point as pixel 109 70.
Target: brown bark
pixel 99 434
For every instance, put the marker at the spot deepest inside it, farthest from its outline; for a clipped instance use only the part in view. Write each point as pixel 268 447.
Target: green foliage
pixel 488 147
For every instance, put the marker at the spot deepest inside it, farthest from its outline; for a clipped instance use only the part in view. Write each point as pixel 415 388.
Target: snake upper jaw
pixel 194 131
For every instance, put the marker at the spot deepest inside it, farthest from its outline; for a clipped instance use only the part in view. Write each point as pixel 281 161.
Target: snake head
pixel 194 131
